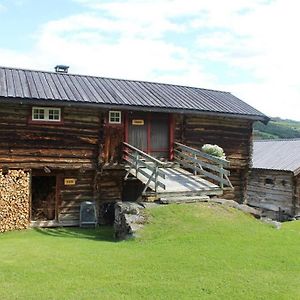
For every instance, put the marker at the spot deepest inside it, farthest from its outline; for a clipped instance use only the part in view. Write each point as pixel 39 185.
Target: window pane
pixel 115 117
pixel 38 114
pixel 46 114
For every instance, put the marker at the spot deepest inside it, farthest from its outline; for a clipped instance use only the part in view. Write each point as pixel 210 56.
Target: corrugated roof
pixel 277 155
pixel 40 85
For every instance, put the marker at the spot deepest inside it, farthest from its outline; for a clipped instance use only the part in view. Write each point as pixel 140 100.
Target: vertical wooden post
pixel 126 120
pixel 156 177
pixel 171 136
pixel 221 176
pixel 149 119
pixel 136 164
pixel 195 164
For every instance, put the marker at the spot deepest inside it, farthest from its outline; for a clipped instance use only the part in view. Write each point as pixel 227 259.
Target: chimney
pixel 61 69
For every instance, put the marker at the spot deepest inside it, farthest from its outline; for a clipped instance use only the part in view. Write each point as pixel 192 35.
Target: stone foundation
pixel 129 218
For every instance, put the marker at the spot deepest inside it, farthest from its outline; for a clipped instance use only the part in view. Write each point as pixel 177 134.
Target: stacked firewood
pixel 14 200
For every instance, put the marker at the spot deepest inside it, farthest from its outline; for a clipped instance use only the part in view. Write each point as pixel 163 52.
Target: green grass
pixel 196 251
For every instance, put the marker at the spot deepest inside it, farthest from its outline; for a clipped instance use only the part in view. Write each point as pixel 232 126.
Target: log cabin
pixel 274 180
pixel 70 132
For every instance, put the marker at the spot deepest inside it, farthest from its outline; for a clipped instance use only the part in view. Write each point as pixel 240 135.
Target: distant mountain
pixel 277 129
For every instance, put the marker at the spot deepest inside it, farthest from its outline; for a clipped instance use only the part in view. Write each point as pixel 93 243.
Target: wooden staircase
pixel 192 175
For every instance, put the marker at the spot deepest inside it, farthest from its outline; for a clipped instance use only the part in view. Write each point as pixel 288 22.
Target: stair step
pixel 183 199
pixel 215 192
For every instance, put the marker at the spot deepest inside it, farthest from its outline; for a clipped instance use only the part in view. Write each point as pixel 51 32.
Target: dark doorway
pixel 132 190
pixel 43 198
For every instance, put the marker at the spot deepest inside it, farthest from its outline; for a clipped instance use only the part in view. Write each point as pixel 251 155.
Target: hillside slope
pixel 192 251
pixel 277 129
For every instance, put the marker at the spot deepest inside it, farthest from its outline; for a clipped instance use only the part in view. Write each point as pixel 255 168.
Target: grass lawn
pixel 186 252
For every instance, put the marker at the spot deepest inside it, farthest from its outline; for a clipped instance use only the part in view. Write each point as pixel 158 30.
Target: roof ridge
pixel 111 78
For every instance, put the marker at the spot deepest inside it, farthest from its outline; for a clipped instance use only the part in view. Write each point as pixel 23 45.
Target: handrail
pixel 140 162
pixel 149 157
pixel 203 154
pixel 212 167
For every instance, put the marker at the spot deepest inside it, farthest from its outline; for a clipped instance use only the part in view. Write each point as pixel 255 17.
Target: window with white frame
pixel 114 117
pixel 50 114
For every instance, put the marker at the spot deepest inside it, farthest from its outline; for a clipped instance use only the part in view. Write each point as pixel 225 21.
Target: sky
pixel 249 48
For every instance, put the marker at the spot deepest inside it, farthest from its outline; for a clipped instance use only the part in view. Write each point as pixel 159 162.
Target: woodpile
pixel 14 200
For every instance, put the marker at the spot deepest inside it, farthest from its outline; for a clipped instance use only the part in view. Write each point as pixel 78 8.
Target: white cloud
pixel 146 40
pixel 276 100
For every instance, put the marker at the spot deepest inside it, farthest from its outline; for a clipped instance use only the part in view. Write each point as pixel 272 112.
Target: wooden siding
pixel 110 144
pixel 271 190
pixel 110 185
pixel 233 135
pixel 297 195
pixel 70 197
pixel 69 150
pixel 86 148
pixel 70 145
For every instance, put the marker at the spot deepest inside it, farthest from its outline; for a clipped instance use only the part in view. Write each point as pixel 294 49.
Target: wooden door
pixel 160 136
pixel 150 132
pixel 138 131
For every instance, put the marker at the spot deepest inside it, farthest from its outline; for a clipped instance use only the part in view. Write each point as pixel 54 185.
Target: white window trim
pixel 114 112
pixel 46 114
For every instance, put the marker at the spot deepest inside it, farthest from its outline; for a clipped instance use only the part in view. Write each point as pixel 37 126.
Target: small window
pixel 115 117
pixel 269 181
pixel 46 114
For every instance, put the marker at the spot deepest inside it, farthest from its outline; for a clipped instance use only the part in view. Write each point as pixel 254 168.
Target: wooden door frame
pixel 149 118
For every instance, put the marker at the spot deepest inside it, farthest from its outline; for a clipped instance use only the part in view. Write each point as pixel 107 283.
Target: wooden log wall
pixel 271 190
pixel 70 196
pixel 69 150
pixel 82 145
pixel 14 200
pixel 110 185
pixel 72 144
pixel 112 144
pixel 297 194
pixel 232 134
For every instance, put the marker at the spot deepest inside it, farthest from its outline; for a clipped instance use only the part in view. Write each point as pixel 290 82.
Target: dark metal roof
pixel 277 155
pixel 40 85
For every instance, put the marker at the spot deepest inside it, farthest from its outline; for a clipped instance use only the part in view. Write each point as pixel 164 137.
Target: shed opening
pixel 43 205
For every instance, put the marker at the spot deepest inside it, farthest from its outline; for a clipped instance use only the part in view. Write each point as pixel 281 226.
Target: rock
pixel 217 200
pixel 230 203
pixel 249 210
pixel 275 224
pixel 150 204
pixel 129 219
pixel 243 207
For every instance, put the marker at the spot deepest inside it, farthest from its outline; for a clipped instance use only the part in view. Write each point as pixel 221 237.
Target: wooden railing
pixel 141 163
pixel 203 164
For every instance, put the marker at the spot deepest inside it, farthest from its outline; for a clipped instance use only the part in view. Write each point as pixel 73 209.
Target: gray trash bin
pixel 88 214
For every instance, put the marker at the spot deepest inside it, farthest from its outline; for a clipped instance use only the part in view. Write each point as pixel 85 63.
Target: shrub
pixel 214 150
